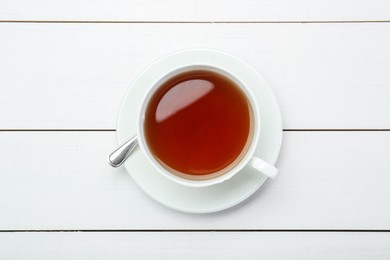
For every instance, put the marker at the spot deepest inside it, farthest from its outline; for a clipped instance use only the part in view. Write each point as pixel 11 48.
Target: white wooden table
pixel 65 66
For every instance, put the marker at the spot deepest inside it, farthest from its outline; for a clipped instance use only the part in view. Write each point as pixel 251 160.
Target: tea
pixel 198 123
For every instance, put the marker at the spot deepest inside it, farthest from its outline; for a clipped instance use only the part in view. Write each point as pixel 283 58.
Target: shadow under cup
pixel 197 116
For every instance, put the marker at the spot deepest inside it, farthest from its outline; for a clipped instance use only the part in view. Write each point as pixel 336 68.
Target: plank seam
pixel 192 22
pixel 197 230
pixel 113 130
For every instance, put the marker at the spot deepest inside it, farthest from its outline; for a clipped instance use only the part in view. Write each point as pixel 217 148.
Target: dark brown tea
pixel 197 123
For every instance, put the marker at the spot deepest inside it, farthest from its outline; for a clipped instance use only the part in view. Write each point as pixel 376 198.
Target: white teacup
pixel 246 158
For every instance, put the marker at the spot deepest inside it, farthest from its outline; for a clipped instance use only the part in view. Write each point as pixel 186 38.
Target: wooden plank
pixel 73 76
pixel 198 11
pixel 61 180
pixel 254 245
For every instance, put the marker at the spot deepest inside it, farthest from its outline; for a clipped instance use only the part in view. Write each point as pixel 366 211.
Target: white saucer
pixel 212 198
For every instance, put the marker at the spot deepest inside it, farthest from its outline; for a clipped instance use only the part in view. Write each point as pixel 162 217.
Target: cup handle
pixel 263 167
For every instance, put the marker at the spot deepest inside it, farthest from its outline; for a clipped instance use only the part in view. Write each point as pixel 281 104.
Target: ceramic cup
pixel 247 159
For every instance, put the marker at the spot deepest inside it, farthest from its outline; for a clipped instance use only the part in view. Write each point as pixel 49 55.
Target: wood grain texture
pixel 61 180
pixel 269 245
pixel 327 61
pixel 198 11
pixel 73 76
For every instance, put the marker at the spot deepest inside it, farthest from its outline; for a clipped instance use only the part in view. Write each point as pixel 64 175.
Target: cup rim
pixel 203 182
